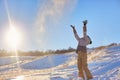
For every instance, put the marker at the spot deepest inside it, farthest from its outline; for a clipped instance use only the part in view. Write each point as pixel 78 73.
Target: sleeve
pixel 76 35
pixel 85 33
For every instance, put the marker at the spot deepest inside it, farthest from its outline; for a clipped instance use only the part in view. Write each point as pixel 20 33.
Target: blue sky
pixel 103 22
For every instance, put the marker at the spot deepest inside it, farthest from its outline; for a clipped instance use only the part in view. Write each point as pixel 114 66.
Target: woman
pixel 82 52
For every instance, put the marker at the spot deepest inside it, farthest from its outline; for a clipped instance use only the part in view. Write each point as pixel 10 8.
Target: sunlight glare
pixel 13 37
pixel 19 78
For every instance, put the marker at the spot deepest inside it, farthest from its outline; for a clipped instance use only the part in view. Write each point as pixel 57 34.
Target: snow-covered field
pixel 104 65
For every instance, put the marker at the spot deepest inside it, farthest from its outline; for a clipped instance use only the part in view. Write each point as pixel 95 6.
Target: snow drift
pixel 104 65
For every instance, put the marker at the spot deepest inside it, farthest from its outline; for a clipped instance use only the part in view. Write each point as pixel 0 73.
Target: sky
pixel 45 24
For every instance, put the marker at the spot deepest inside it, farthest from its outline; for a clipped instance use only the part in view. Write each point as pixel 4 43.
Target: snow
pixel 103 64
pixel 46 62
pixel 12 59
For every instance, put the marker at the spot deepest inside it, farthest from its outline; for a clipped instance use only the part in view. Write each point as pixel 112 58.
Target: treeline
pixel 35 53
pixel 48 52
pixel 106 46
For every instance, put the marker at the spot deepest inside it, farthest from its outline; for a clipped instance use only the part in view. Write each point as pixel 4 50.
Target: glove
pixel 85 22
pixel 72 26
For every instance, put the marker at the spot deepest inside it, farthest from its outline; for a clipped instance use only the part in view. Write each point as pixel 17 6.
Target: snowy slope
pixel 104 65
pixel 12 59
pixel 46 62
pixel 107 67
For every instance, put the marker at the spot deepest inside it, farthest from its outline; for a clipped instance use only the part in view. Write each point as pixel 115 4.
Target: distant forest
pixel 36 52
pixel 48 52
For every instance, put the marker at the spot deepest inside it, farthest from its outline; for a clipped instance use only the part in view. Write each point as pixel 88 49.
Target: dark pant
pixel 83 66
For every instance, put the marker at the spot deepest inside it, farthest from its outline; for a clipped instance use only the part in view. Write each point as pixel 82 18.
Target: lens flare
pixel 13 37
pixel 19 78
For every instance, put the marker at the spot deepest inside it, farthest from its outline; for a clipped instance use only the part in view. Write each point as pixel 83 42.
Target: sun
pixel 13 37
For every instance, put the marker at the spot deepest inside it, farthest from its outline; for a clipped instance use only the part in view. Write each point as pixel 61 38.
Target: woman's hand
pixel 72 26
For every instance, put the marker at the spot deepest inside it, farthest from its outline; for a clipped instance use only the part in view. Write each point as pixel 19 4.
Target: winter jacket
pixel 82 42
